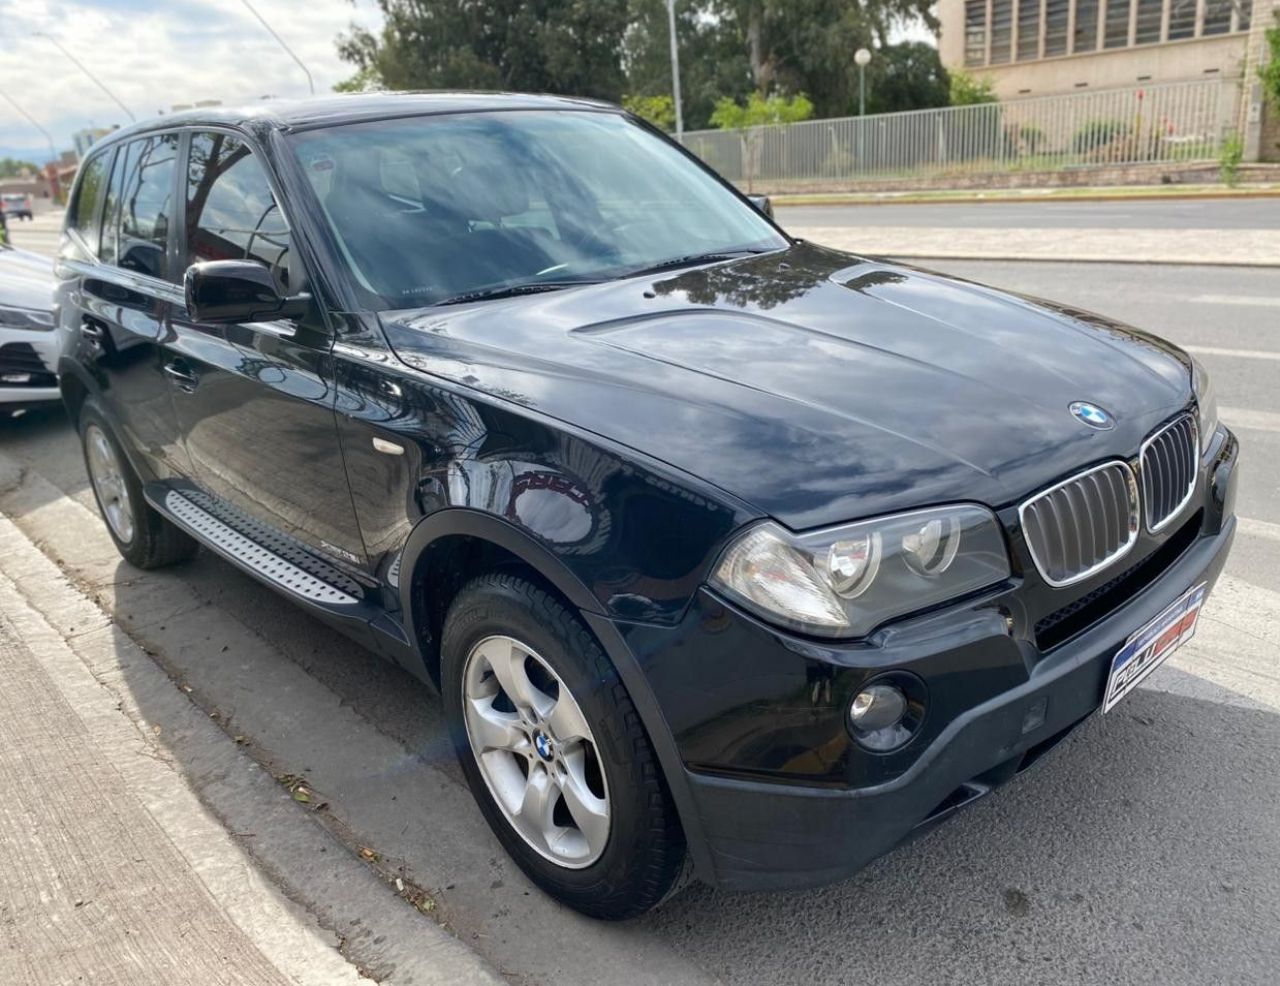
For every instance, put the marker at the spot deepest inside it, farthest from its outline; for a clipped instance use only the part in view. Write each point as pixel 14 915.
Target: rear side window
pixel 84 215
pixel 146 205
pixel 231 211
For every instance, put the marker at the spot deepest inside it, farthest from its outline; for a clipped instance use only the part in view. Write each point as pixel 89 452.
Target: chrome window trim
pixel 1135 523
pixel 1195 472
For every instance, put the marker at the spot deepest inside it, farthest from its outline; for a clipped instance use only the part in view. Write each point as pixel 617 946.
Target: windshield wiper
pixel 511 291
pixel 694 258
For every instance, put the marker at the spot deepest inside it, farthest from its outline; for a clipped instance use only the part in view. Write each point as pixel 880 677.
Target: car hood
pixel 26 279
pixel 813 385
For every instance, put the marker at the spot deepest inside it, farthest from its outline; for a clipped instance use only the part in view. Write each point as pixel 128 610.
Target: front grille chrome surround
pixel 1170 465
pixel 1083 524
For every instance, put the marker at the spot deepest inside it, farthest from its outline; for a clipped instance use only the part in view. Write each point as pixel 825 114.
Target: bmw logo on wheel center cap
pixel 542 743
pixel 1092 415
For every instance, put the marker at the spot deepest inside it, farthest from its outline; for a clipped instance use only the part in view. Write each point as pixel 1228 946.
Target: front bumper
pixel 32 355
pixel 773 792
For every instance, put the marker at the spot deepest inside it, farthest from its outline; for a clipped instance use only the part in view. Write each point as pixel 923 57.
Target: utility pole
pixel 280 41
pixel 80 65
pixel 675 69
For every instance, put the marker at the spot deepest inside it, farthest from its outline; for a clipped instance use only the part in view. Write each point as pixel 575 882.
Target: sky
pixel 153 54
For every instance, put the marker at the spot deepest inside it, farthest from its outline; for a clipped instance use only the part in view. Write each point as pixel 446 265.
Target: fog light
pixel 877 707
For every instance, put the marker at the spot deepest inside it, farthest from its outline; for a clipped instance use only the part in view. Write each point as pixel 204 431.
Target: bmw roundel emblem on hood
pixel 1092 415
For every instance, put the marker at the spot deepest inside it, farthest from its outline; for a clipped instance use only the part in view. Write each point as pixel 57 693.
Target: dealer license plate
pixel 1147 649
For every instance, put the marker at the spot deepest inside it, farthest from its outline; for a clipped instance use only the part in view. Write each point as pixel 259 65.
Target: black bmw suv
pixel 731 555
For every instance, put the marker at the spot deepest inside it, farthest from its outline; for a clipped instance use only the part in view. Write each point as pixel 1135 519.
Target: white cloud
pixel 154 54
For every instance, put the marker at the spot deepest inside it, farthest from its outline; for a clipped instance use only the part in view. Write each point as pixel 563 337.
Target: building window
pixel 975 32
pixel 1245 7
pixel 1117 33
pixel 1001 30
pixel 1217 16
pixel 1055 27
pixel 1147 30
pixel 1028 30
pixel 1086 38
pixel 1182 19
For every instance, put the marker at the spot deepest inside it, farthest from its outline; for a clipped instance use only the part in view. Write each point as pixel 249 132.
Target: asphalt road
pixel 1250 213
pixel 1145 850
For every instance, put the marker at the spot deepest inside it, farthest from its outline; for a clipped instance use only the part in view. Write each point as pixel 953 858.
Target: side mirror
pixel 237 291
pixel 762 203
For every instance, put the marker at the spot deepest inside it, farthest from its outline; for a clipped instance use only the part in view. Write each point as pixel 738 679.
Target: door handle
pixel 178 371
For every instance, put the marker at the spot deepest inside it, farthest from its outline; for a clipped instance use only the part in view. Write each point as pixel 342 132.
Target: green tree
pixel 562 46
pixel 906 76
pixel 758 111
pixel 712 63
pixel 808 45
pixel 13 168
pixel 658 110
pixel 969 90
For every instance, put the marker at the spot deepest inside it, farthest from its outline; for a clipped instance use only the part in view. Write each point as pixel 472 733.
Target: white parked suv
pixel 29 341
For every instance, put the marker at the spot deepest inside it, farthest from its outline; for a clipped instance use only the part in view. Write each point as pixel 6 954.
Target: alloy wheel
pixel 536 752
pixel 109 483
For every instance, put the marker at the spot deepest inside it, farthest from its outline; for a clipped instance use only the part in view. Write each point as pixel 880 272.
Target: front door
pixel 258 407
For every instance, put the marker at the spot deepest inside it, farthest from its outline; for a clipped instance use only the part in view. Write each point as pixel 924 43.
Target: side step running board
pixel 250 554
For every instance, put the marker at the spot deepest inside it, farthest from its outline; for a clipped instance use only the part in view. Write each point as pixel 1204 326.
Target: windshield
pixel 441 208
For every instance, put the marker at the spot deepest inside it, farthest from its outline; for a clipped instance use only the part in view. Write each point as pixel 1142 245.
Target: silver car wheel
pixel 109 483
pixel 535 751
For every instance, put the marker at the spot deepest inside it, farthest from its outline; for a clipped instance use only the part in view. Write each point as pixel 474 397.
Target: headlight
pixel 845 581
pixel 1207 402
pixel 25 318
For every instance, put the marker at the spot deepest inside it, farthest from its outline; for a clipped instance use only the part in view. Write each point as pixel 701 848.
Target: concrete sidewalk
pixel 113 870
pixel 1234 247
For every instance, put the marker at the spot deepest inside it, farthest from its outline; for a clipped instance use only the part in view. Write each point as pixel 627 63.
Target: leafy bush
pixel 760 111
pixel 1229 159
pixel 1094 135
pixel 969 90
pixel 658 110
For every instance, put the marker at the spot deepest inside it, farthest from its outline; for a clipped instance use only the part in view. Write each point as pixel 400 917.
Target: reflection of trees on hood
pixel 764 283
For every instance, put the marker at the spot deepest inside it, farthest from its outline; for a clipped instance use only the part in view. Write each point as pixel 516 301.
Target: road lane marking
pixel 1240 417
pixel 1234 299
pixel 1270 354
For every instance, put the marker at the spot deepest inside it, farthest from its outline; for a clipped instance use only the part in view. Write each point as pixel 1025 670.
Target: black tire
pixel 645 852
pixel 156 542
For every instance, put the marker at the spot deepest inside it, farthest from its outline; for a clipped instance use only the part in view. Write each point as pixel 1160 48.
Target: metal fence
pixel 1184 121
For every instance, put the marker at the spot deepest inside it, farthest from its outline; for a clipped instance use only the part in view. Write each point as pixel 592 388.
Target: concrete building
pixel 1030 48
pixel 1047 47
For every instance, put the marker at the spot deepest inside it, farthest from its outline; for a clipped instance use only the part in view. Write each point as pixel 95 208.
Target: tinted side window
pixel 84 214
pixel 146 204
pixel 231 212
pixel 111 209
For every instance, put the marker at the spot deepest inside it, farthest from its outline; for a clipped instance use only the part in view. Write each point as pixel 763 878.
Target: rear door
pixel 258 407
pixel 124 297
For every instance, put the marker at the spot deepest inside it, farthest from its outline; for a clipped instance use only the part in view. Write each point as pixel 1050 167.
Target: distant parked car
pixel 16 204
pixel 29 344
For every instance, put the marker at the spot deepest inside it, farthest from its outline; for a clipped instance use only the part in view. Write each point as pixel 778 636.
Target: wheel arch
pixel 442 538
pixel 450 546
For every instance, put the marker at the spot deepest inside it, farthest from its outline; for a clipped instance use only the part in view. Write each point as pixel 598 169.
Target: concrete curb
pixel 224 791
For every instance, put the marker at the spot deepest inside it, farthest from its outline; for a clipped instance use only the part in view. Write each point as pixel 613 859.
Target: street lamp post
pixel 675 69
pixel 280 41
pixel 862 56
pixel 80 65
